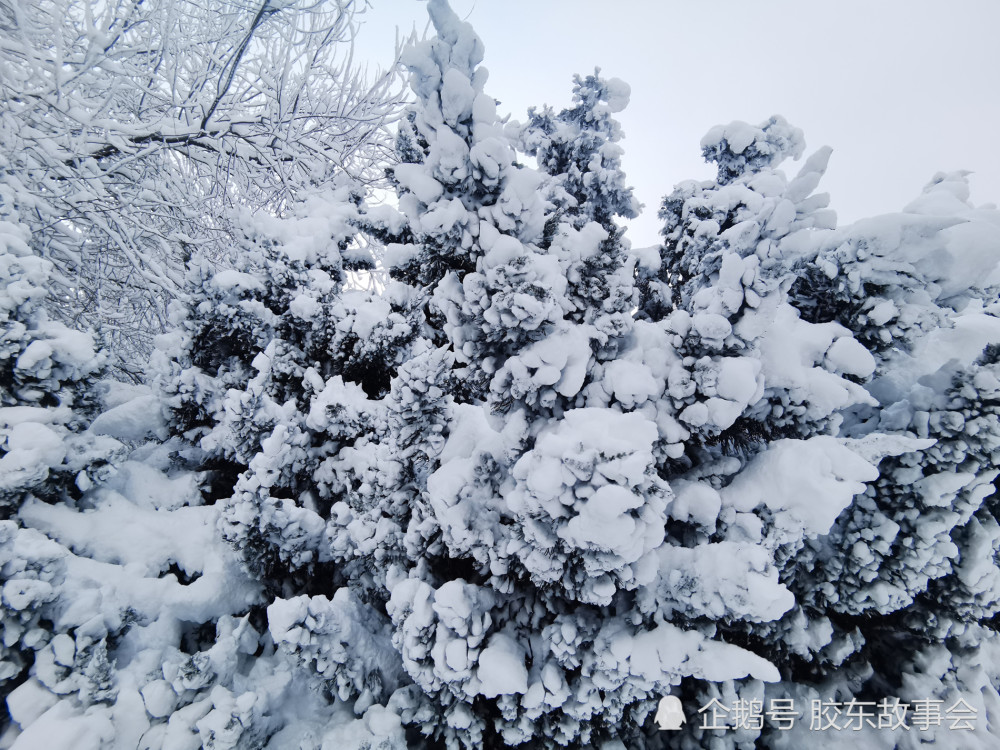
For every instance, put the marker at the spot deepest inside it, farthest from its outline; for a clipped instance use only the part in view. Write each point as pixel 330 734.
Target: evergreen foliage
pixel 538 481
pixel 48 374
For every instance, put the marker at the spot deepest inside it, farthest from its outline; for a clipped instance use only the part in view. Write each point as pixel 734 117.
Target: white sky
pixel 900 89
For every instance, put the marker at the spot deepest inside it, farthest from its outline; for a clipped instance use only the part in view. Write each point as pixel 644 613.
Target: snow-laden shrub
pixel 48 394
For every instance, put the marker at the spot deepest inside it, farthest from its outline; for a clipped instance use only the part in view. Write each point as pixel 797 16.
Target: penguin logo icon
pixel 670 713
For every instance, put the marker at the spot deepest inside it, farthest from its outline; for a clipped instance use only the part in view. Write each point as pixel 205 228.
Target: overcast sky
pixel 900 89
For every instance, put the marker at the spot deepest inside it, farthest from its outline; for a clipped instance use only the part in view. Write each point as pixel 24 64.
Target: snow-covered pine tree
pixel 446 144
pixel 460 192
pixel 230 316
pixel 544 606
pixel 48 397
pixel 477 246
pixel 748 396
pixel 269 371
pixel 904 584
pixel 276 376
pixel 578 148
pixel 746 368
pixel 909 559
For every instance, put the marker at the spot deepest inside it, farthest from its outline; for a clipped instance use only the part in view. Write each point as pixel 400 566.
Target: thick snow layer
pixel 603 520
pixel 848 356
pixel 971 257
pixel 718 580
pixel 148 487
pixel 631 383
pixel 341 639
pixel 66 726
pixel 623 441
pixel 873 448
pixel 966 252
pixel 29 700
pixel 133 420
pixel 231 279
pixel 501 667
pixel 377 728
pixel 666 652
pixel 964 341
pixel 31 443
pixel 588 507
pixel 159 698
pixel 774 138
pixel 557 362
pixel 793 353
pixel 938 351
pixel 739 135
pixel 120 549
pixel 60 344
pixel 414 178
pixel 457 97
pixel 806 483
pixel 119 531
pixel 697 502
pixel 618 93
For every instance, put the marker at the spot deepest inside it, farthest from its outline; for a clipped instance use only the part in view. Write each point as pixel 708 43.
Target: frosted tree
pixel 752 368
pixel 267 372
pixel 477 246
pixel 48 394
pixel 912 560
pixel 753 399
pixel 233 314
pixel 135 612
pixel 905 556
pixel 578 147
pixel 48 400
pixel 130 130
pixel 923 389
pixel 547 553
pixel 276 376
pixel 579 150
pixel 455 151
